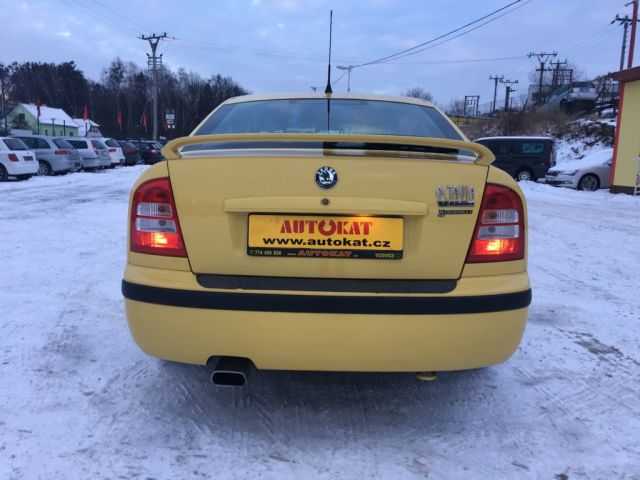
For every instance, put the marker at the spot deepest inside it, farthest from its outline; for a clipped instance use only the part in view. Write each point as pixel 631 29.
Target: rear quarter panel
pixel 500 177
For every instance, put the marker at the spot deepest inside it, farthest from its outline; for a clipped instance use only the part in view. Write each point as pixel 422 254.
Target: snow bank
pixel 594 158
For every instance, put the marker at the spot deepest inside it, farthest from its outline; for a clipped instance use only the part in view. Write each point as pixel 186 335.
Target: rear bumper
pixel 62 164
pixel 91 162
pixel 322 331
pixel 325 304
pixel 21 168
pixel 562 181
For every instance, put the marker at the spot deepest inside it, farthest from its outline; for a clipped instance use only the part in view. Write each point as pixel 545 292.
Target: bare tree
pixel 419 92
pixel 456 107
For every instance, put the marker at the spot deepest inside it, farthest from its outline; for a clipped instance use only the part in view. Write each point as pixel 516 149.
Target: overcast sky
pixel 280 45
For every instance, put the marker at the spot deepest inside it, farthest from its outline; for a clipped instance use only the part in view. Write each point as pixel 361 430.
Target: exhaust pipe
pixel 427 376
pixel 231 371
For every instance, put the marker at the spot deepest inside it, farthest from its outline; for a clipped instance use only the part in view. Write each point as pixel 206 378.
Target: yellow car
pixel 327 233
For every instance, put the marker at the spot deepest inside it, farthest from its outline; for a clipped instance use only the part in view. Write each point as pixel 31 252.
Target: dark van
pixel 524 158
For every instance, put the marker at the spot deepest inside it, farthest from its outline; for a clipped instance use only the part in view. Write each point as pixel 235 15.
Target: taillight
pixel 154 221
pixel 62 152
pixel 13 157
pixel 499 235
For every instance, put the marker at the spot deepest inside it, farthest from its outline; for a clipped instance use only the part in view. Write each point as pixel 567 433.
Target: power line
pixel 461 34
pixel 335 82
pixel 439 37
pixel 233 50
pixel 462 60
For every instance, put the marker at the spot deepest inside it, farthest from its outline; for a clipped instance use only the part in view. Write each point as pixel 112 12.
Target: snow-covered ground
pixel 79 400
pixel 586 139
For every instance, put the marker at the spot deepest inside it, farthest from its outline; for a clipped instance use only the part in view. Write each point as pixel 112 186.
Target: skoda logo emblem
pixel 326 177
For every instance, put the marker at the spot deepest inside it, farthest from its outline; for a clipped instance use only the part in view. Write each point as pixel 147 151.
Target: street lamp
pixel 348 68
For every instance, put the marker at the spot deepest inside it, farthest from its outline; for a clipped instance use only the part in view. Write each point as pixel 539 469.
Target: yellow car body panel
pixel 175 314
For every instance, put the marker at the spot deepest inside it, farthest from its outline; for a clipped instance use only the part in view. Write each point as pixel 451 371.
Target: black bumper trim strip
pixel 369 305
pixel 245 282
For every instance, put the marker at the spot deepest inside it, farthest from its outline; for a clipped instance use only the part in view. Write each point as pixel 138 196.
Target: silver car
pixel 590 173
pixel 52 158
pixel 103 152
pixel 73 153
pixel 91 159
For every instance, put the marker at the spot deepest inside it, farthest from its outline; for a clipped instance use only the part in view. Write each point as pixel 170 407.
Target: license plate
pixel 325 236
pixel 28 159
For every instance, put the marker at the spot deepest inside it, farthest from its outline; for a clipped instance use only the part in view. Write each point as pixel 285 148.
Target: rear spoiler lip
pixel 171 150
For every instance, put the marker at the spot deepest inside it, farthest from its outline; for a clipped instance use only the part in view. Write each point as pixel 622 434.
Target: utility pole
pixel 154 62
pixel 4 74
pixel 507 93
pixel 496 79
pixel 624 21
pixel 555 82
pixel 542 57
pixel 507 103
pixel 634 24
pixel 348 68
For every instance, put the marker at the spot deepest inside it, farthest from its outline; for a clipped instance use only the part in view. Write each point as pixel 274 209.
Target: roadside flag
pixel 85 113
pixel 119 119
pixel 144 120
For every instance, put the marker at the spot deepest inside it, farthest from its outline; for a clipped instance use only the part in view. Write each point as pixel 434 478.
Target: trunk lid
pixel 216 194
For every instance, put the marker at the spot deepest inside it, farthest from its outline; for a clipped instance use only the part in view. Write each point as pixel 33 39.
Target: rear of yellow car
pixel 327 252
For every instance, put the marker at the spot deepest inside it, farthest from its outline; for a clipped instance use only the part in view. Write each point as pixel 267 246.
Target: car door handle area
pixel 325 204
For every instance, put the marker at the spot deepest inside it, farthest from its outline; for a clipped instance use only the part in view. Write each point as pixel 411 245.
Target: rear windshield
pixel 112 143
pixel 78 143
pixel 14 144
pixel 336 116
pixel 98 144
pixel 62 143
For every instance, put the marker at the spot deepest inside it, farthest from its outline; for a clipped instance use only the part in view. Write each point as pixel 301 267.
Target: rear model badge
pixel 452 200
pixel 326 177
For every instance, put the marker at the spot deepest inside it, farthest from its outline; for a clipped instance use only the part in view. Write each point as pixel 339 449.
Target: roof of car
pixel 522 137
pixel 322 96
pixel 74 138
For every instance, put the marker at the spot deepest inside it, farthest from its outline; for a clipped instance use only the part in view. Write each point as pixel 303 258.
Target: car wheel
pixel 3 174
pixel 44 169
pixel 524 176
pixel 589 182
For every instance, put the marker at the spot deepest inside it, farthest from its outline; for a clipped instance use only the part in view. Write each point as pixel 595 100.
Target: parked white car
pixel 115 151
pixel 16 160
pixel 590 173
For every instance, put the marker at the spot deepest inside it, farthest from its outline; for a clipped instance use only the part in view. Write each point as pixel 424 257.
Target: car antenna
pixel 329 90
